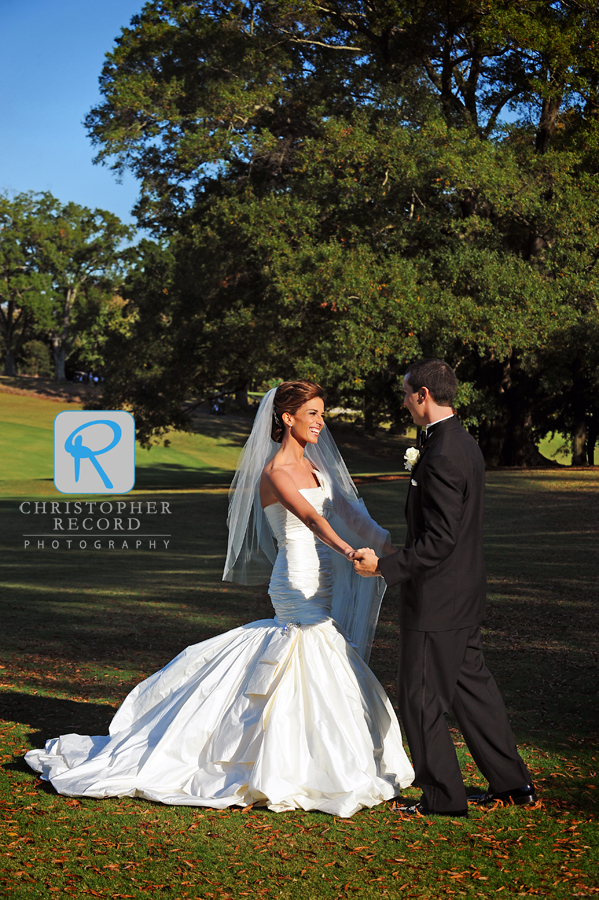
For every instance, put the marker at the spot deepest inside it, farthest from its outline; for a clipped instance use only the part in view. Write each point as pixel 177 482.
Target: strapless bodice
pixel 301 584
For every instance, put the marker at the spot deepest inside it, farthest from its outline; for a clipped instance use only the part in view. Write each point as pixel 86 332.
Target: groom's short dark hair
pixel 437 376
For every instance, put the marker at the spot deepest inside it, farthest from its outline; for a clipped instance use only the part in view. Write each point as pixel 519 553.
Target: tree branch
pixel 296 40
pixel 497 109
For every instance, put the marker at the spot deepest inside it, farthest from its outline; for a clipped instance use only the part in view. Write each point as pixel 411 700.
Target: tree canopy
pixel 338 187
pixel 60 265
pixel 22 284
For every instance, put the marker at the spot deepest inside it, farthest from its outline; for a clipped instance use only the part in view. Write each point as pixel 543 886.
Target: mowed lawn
pixel 80 627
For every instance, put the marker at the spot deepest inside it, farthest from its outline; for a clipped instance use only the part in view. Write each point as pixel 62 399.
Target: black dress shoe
pixel 419 810
pixel 521 796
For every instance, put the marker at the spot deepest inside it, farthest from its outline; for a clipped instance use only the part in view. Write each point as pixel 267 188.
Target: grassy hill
pixel 191 460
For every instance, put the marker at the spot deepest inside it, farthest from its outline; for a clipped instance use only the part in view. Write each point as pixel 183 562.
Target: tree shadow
pixel 49 717
pixel 130 612
pixel 174 476
pixel 233 429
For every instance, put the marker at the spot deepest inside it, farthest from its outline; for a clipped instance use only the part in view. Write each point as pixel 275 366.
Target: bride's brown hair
pixel 289 396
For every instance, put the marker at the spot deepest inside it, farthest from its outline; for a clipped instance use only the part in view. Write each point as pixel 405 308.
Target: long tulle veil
pixel 252 549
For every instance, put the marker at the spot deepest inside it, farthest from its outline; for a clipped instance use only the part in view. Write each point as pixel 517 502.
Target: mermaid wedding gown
pixel 282 712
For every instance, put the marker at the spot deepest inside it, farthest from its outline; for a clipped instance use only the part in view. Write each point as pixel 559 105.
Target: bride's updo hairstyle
pixel 289 396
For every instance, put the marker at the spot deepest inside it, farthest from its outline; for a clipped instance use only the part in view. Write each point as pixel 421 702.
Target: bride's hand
pixel 351 554
pixel 357 554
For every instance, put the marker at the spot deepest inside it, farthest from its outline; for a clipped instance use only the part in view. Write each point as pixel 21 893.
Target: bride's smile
pixel 308 421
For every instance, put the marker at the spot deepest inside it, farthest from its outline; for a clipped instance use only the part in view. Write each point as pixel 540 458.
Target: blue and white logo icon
pixel 94 452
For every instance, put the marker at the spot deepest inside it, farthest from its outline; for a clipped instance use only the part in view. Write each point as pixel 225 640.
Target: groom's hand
pixel 366 562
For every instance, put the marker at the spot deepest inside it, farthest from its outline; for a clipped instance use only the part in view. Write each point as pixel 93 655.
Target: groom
pixel 443 590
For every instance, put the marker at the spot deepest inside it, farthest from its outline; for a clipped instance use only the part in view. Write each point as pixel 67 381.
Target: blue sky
pixel 52 56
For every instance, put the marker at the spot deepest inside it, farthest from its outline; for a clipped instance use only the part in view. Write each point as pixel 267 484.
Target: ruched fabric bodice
pixel 301 584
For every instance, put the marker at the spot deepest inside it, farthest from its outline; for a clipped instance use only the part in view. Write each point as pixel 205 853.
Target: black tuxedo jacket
pixel 441 568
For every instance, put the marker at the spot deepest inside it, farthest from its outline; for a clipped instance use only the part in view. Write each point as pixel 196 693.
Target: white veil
pixel 252 549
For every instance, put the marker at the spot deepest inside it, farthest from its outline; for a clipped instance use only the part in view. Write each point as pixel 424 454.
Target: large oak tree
pixel 345 185
pixel 60 265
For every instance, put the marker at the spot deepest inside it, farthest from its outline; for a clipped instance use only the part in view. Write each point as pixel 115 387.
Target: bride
pixel 283 712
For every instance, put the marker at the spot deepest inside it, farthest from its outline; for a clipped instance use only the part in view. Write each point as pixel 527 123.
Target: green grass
pixel 557 448
pixel 81 627
pixel 191 460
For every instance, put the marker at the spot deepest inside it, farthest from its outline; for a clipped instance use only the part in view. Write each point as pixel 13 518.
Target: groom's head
pixel 430 387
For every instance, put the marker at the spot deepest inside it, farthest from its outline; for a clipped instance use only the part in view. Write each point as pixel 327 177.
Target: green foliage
pixel 22 283
pixel 60 266
pixel 36 358
pixel 340 191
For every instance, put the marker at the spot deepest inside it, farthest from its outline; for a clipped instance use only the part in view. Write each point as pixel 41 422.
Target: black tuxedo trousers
pixel 443 591
pixel 443 671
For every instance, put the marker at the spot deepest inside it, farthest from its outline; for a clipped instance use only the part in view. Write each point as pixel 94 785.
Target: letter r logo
pixel 94 452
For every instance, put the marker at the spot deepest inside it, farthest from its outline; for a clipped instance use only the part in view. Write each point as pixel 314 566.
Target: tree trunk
pixel 592 435
pixel 496 377
pixel 509 441
pixel 369 423
pixel 241 398
pixel 579 437
pixel 549 113
pixel 519 448
pixel 373 398
pixel 508 438
pixel 490 438
pixel 10 317
pixel 580 396
pixel 60 358
pixel 63 342
pixel 9 363
pixel 394 399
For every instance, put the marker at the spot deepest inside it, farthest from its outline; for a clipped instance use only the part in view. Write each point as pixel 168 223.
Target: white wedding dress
pixel 282 712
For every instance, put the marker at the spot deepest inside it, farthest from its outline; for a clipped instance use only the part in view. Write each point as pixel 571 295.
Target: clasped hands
pixel 366 562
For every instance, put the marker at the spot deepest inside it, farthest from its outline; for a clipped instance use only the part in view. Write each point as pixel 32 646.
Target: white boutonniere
pixel 412 455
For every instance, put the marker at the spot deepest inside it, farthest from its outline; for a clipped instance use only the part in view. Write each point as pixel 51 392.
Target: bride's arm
pixel 282 487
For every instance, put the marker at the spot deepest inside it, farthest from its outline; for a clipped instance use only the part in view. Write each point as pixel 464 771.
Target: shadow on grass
pixel 174 476
pixel 92 623
pixel 49 717
pixel 234 429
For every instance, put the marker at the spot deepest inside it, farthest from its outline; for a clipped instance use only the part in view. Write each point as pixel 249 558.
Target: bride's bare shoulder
pixel 275 473
pixel 271 467
pixel 276 482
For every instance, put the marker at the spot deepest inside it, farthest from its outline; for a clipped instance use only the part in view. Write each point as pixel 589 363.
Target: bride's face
pixel 307 423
